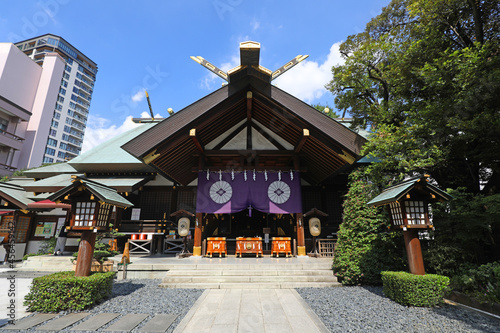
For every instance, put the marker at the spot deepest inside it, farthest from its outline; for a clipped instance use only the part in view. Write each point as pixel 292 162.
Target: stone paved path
pixel 247 310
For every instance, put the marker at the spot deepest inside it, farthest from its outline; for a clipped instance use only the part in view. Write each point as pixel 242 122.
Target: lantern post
pixel 408 204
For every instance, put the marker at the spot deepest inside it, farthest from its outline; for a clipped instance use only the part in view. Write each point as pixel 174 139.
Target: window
pixel 4 123
pixel 397 217
pixel 60 99
pixel 50 151
pixel 62 145
pixel 48 160
pixel 74 98
pixel 65 137
pixel 72 105
pixel 68 121
pixel 66 76
pixel 67 129
pixel 62 91
pixel 61 154
pixel 64 83
pixel 54 124
pixel 84 214
pixel 52 132
pixel 57 115
pixel 415 212
pixel 52 142
pixel 69 61
pixel 58 107
pixel 67 68
pixel 76 90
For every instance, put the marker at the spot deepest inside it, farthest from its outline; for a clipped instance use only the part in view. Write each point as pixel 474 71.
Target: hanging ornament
pixel 232 174
pixel 220 175
pixel 245 175
pixel 291 174
pixel 265 174
pixel 208 174
pixel 253 174
pixel 279 175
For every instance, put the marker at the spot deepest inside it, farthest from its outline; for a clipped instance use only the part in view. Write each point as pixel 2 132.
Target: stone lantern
pixel 408 204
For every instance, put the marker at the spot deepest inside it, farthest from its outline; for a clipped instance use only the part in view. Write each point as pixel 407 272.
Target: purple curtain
pixel 268 192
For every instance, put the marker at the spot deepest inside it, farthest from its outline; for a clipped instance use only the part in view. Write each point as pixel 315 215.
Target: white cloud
pixel 139 96
pixel 145 114
pixel 255 24
pixel 307 80
pixel 100 130
pixel 211 80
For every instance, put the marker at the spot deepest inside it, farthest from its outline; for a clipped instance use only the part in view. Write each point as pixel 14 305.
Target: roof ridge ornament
pixel 249 58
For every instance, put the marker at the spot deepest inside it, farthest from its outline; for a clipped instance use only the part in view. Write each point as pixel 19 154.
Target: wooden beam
pixel 268 137
pixel 215 153
pixel 192 134
pixel 305 135
pixel 249 105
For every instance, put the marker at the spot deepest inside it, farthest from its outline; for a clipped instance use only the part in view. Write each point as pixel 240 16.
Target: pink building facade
pixel 28 93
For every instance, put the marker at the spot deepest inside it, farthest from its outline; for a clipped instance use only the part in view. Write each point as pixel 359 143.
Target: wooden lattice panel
pixel 326 247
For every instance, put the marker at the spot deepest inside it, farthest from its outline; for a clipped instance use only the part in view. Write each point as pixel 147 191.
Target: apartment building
pixel 56 135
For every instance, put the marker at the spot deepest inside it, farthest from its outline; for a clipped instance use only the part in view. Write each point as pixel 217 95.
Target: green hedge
pixel 63 291
pixel 415 290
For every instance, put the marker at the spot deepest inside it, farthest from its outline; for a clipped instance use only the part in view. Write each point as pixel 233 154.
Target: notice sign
pixel 45 229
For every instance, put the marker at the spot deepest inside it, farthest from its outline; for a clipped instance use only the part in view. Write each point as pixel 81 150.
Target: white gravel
pixel 366 309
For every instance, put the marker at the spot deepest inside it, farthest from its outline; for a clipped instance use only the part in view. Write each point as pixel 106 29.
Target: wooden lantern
pixel 408 204
pixel 91 207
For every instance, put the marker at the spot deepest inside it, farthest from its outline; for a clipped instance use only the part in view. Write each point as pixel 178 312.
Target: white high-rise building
pixel 59 139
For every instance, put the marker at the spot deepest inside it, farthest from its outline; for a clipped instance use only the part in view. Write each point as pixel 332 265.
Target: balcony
pixel 11 140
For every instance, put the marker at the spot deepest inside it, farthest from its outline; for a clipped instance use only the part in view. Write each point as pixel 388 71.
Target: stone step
pixel 205 272
pixel 260 285
pixel 247 279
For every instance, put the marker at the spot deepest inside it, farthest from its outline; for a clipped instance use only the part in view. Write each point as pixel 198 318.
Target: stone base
pixel 197 251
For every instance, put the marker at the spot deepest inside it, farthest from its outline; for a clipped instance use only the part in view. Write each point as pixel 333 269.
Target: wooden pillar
pixel 197 234
pixel 301 244
pixel 85 253
pixel 414 252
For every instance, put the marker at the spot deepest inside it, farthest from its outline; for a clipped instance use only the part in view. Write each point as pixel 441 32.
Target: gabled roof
pixel 329 147
pixel 14 194
pixel 103 192
pixel 110 157
pixel 398 191
pixel 50 170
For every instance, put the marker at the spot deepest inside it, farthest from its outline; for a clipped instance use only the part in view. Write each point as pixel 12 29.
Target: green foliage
pixel 425 77
pixel 63 291
pixel 363 248
pixel 48 246
pixel 482 283
pixel 468 228
pixel 415 290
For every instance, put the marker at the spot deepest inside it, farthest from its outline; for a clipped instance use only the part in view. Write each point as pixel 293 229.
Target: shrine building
pixel 247 160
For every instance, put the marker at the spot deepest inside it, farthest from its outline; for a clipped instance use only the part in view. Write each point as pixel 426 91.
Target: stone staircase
pixel 291 273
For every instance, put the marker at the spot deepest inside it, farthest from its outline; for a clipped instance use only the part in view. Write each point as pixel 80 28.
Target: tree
pixel 425 77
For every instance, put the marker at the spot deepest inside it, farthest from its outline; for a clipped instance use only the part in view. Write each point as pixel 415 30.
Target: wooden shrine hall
pixel 258 157
pixel 245 163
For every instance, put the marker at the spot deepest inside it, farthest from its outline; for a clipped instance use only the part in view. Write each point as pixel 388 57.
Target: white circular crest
pixel 278 192
pixel 221 192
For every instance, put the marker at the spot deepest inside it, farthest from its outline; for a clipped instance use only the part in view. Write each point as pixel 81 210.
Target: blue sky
pixel 147 45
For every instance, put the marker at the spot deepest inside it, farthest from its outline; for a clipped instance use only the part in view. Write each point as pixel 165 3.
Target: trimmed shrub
pixel 364 249
pixel 415 290
pixel 63 291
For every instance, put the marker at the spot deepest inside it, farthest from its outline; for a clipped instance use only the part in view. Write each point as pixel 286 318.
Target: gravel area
pixel 366 309
pixel 142 296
